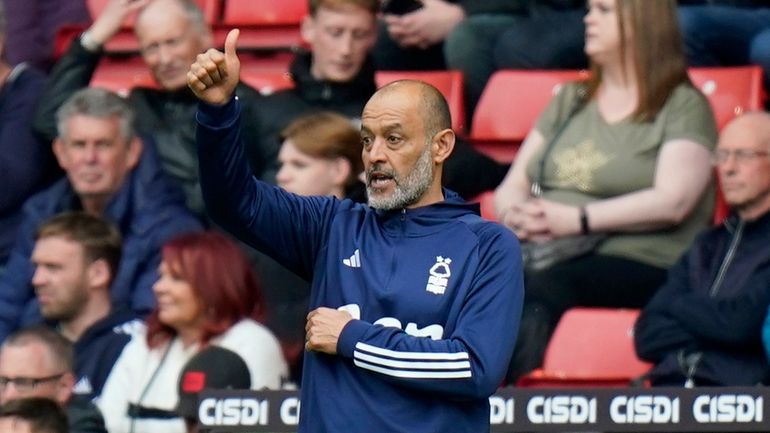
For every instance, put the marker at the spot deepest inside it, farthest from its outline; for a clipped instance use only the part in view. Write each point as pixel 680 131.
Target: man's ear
pixel 307 29
pixel 99 273
pixel 134 152
pixel 443 145
pixel 340 171
pixel 59 152
pixel 64 388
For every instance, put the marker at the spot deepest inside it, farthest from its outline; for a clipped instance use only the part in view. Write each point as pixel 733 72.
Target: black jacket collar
pixel 362 86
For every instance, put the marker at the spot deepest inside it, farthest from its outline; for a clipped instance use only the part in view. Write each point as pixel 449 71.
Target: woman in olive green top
pixel 624 154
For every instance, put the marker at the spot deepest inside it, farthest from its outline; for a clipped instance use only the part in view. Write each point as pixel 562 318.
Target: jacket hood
pixel 123 318
pixel 429 219
pixel 313 90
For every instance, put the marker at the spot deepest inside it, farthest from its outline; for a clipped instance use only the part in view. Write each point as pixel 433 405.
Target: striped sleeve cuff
pixel 412 365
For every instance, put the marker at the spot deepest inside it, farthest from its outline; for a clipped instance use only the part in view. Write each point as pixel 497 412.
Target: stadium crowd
pixel 118 276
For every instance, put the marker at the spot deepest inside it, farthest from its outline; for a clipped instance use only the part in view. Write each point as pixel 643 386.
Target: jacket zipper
pixel 727 260
pixel 693 360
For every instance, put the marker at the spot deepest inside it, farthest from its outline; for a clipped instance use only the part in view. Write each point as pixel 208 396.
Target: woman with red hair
pixel 207 294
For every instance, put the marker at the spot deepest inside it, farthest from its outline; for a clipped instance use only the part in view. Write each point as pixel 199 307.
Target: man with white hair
pixel 110 173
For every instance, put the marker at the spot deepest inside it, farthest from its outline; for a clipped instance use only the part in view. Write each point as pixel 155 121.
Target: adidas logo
pixel 83 386
pixel 354 261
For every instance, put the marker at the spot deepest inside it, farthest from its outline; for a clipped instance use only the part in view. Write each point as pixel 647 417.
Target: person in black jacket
pixel 337 74
pixel 703 327
pixel 171 34
pixel 76 256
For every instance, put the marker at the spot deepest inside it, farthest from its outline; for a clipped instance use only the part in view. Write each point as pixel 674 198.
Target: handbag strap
pixel 536 189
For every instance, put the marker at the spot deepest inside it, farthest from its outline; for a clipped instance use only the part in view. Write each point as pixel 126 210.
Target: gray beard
pixel 408 190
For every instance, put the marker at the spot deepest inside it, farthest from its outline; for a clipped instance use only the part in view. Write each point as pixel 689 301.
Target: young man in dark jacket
pixel 337 75
pixel 703 327
pixel 76 256
pixel 111 173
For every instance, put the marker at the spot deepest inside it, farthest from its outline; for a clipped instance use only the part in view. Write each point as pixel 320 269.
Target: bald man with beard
pixel 414 300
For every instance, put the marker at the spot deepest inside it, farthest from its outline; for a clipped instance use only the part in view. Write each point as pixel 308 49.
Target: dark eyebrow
pixel 385 130
pixel 393 127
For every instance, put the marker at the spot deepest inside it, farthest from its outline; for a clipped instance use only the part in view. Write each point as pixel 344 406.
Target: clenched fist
pixel 323 329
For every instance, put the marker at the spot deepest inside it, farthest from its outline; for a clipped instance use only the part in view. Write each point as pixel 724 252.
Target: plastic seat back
pixel 510 105
pixel 265 24
pixel 590 347
pixel 730 91
pixel 121 75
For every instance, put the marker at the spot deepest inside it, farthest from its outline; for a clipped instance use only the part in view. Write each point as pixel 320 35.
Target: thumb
pixel 231 43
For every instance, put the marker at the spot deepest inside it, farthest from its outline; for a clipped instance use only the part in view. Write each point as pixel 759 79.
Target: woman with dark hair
pixel 207 294
pixel 617 167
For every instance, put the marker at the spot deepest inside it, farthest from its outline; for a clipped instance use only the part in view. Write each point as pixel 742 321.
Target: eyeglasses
pixel 720 156
pixel 25 384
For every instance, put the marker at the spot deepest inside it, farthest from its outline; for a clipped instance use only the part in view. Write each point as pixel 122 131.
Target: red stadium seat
pixel 721 209
pixel 120 75
pixel 267 82
pixel 264 24
pixel 509 106
pixel 487 204
pixel 730 91
pixel 449 83
pixel 265 72
pixel 590 347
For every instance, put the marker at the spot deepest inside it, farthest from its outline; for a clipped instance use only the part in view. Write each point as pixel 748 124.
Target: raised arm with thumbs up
pixel 214 75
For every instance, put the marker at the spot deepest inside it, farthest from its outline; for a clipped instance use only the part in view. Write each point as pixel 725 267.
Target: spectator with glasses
pixel 703 326
pixel 38 362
